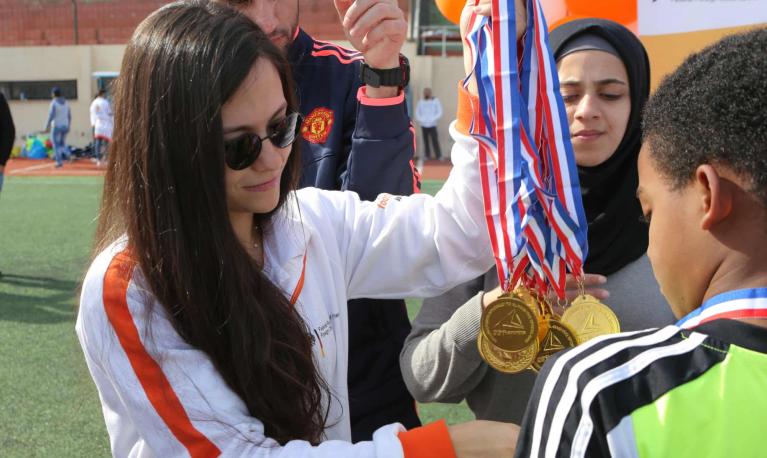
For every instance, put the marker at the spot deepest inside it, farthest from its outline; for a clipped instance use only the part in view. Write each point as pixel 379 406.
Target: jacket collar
pixel 285 243
pixel 301 46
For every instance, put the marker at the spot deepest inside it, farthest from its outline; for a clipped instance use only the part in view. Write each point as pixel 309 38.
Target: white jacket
pixel 162 397
pixel 428 112
pixel 101 118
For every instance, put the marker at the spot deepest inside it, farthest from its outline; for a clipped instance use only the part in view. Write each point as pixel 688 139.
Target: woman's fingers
pixel 589 280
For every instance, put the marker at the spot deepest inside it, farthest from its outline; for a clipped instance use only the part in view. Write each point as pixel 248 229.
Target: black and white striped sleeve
pixel 583 393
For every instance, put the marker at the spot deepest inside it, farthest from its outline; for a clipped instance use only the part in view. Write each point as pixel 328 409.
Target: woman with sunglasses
pixel 213 318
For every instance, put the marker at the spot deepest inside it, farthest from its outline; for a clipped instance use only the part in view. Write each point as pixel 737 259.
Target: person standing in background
pixel 102 124
pixel 60 115
pixel 427 113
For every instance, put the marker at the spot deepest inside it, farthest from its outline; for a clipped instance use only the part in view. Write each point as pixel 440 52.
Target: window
pixel 436 35
pixel 38 90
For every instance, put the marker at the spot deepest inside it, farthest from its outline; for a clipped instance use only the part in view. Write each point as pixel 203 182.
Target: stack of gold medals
pixel 520 330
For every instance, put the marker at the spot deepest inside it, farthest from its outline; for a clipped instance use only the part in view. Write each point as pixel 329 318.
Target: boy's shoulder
pixel 586 397
pixel 586 392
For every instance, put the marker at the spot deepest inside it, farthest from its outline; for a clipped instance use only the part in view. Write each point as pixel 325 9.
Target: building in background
pixel 77 45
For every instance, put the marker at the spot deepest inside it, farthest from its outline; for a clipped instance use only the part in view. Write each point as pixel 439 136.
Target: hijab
pixel 616 234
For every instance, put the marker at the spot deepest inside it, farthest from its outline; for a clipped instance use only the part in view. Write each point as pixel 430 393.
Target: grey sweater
pixel 440 361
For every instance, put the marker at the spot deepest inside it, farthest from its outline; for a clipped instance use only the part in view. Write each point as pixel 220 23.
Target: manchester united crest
pixel 317 125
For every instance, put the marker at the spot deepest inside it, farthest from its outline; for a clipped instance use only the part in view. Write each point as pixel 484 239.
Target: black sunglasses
pixel 243 151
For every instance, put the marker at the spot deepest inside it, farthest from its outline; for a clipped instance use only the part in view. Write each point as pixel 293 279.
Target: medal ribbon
pixel 744 303
pixel 532 199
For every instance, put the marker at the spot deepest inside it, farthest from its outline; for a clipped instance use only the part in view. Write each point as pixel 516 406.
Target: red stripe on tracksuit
pixel 149 373
pixel 319 44
pixel 342 59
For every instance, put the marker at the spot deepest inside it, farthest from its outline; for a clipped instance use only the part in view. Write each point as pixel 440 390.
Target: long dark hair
pixel 165 188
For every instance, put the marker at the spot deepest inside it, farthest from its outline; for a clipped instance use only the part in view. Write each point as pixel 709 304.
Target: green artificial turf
pixel 49 404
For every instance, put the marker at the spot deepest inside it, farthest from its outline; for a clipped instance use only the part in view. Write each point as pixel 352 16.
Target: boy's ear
pixel 716 197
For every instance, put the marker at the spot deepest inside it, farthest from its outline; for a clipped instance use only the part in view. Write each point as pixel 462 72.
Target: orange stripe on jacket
pixel 156 386
pixel 432 440
pixel 300 285
pixel 468 107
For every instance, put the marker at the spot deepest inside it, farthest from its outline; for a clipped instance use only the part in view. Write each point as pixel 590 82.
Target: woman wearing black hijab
pixel 604 81
pixel 603 70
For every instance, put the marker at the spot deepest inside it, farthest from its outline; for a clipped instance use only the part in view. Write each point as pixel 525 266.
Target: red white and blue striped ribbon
pixel 744 303
pixel 532 199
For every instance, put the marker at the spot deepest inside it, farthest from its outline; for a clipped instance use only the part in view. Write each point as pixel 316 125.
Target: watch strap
pixel 395 77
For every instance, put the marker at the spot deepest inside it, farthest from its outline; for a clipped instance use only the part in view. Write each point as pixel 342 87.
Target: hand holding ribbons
pixel 484 8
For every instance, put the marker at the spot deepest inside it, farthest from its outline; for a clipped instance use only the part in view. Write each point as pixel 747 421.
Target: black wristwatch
pixel 377 77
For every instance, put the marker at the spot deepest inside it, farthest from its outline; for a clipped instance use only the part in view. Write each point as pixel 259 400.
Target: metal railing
pixel 439 40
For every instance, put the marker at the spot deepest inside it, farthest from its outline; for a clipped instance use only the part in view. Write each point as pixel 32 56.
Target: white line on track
pixel 48 165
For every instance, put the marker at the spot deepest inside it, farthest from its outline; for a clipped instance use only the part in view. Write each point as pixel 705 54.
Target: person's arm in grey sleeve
pixel 51 112
pixel 440 361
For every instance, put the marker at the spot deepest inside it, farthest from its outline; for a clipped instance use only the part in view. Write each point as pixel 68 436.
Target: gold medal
pixel 548 310
pixel 508 362
pixel 538 308
pixel 509 324
pixel 543 327
pixel 590 318
pixel 525 295
pixel 559 337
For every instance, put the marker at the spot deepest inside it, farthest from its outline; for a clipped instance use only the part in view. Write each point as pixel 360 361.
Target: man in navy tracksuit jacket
pixel 363 145
pixel 349 144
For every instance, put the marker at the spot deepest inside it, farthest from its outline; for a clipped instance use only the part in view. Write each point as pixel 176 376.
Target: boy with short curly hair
pixel 696 388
